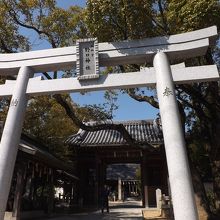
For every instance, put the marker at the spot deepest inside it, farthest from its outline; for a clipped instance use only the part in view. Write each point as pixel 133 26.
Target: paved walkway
pixel 129 210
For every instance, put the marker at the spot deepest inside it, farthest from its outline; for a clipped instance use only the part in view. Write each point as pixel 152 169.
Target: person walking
pixel 104 198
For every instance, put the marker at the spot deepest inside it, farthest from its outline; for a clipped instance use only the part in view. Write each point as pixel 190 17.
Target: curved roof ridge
pixel 134 121
pixel 143 131
pixel 119 122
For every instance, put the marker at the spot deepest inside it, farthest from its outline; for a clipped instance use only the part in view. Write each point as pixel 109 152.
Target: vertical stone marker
pixel 159 198
pixel 179 174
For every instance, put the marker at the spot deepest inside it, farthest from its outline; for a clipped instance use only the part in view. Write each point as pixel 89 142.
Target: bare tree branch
pixel 71 113
pixel 195 94
pixel 13 14
pixel 140 98
pixel 163 17
pixel 47 75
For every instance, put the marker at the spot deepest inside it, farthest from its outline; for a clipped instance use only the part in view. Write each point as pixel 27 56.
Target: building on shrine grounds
pixel 37 174
pixel 104 158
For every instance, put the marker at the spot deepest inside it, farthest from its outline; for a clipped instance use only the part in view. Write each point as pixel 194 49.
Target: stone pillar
pixel 146 202
pixel 129 188
pixel 132 187
pixel 11 135
pixel 144 184
pixel 177 161
pixel 158 198
pixel 119 189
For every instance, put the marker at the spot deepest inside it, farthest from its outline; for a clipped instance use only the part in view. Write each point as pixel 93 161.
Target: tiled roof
pixel 143 131
pixel 39 152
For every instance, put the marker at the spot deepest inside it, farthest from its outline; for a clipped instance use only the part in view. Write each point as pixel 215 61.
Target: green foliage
pixel 111 98
pixel 10 38
pixel 211 199
pixel 47 121
pixel 200 158
pixel 123 19
pixel 117 20
pixel 189 15
pixel 64 25
pixel 58 26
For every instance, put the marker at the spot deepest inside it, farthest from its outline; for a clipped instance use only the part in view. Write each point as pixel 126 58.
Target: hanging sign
pixel 87 63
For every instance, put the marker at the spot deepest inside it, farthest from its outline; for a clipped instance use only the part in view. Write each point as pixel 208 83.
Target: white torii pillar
pixel 11 135
pixel 178 167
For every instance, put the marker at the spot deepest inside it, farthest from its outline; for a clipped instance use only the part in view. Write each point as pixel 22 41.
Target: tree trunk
pixel 201 198
pixel 214 133
pixel 216 184
pixel 215 162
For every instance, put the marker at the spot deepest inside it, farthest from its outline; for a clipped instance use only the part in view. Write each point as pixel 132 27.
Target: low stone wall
pixel 8 216
pixel 153 214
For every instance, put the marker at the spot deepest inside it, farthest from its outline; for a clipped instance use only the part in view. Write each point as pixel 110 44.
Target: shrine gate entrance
pixel 87 56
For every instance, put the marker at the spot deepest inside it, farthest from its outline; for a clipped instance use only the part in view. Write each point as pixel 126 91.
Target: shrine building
pixel 95 153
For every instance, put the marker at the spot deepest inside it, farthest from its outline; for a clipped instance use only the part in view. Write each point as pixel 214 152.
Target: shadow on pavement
pixel 99 216
pixel 129 210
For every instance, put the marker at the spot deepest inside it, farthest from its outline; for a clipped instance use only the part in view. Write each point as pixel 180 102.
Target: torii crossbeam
pixel 159 50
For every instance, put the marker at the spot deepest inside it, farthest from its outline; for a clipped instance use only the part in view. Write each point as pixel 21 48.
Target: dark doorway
pixel 124 180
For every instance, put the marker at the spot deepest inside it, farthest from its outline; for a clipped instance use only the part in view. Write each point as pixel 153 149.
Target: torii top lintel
pixel 178 47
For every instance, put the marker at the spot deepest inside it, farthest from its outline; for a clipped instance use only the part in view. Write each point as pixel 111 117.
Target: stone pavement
pixel 129 210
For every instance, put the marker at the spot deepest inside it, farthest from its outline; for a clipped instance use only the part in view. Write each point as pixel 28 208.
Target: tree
pixel 47 122
pixel 204 97
pixel 117 20
pixel 10 40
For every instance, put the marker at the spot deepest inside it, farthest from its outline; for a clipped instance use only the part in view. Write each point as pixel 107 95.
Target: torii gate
pixel 160 50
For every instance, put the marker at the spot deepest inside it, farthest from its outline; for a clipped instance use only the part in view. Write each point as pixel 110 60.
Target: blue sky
pixel 129 109
pixel 66 3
